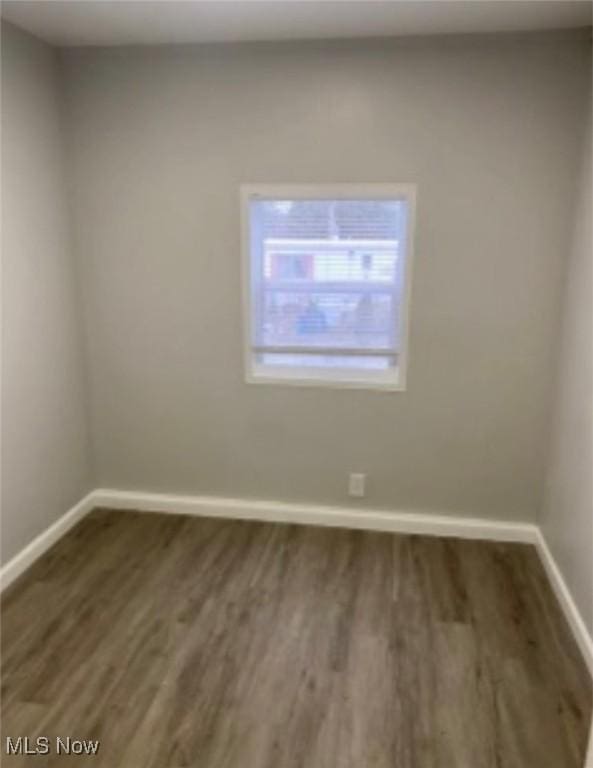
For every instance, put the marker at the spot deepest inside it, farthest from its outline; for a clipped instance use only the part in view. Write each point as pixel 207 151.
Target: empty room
pixel 296 384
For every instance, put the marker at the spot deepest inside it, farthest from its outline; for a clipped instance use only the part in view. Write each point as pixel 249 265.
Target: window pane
pixel 327 273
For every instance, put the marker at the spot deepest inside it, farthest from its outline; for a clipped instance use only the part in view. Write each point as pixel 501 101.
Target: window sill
pixel 391 383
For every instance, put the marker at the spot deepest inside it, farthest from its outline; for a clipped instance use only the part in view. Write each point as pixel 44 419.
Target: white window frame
pixel 393 380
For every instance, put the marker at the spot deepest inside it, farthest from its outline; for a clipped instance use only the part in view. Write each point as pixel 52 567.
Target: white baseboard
pixel 568 605
pixel 311 514
pixel 40 544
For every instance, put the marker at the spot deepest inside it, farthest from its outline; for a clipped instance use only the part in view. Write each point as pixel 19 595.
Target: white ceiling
pixel 120 22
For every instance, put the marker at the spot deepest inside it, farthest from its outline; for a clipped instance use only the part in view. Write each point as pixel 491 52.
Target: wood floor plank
pixel 181 641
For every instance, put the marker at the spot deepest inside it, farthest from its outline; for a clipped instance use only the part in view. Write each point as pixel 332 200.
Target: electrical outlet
pixel 356 484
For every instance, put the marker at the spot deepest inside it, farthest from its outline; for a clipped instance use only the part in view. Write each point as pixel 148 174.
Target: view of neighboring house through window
pixel 327 284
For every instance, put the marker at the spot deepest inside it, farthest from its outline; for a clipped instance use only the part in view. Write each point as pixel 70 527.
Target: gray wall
pixel 567 512
pixel 45 464
pixel 161 140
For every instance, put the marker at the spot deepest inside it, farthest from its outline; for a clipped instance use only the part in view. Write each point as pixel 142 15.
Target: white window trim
pixel 335 378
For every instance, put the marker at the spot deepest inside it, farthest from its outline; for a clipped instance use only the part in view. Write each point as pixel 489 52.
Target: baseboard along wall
pixel 310 514
pixel 40 544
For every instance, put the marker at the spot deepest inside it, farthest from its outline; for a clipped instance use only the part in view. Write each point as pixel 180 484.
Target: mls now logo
pixel 23 745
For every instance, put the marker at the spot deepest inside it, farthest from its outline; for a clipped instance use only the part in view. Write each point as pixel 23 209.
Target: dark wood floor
pixel 217 644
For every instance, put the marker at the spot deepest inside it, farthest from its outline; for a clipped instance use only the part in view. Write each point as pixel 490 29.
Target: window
pixel 327 283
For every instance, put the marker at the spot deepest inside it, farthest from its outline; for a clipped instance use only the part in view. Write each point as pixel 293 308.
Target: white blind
pixel 327 279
